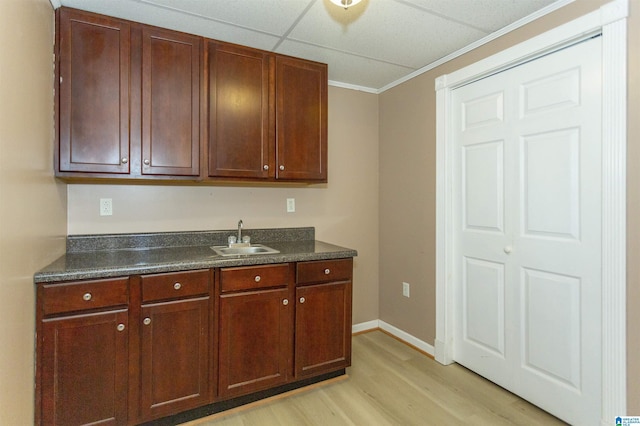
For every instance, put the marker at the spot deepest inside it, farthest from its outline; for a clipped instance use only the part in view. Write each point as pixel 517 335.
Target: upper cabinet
pixel 141 102
pixel 92 93
pixel 301 119
pixel 170 103
pixel 240 136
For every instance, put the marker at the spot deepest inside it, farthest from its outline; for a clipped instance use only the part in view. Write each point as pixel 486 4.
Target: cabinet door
pixel 240 139
pixel 170 103
pixel 93 93
pixel 174 357
pixel 323 328
pixel 255 341
pixel 301 120
pixel 84 369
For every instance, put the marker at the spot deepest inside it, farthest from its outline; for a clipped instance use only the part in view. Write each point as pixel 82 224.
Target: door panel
pixel 527 197
pixel 175 354
pixel 94 93
pixel 483 294
pixel 551 351
pixel 551 184
pixel 170 103
pixel 483 195
pixel 240 139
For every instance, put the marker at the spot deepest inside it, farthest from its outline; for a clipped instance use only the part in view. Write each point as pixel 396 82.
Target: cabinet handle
pixel 87 297
pixel 257 278
pixel 177 286
pixel 265 167
pixel 327 271
pixel 120 327
pixel 125 160
pixel 281 167
pixel 285 302
pixel 302 300
pixel 146 321
pixel 146 162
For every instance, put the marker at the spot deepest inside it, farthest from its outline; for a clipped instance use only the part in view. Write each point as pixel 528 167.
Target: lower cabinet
pixel 132 350
pixel 323 317
pixel 81 375
pixel 323 329
pixel 174 342
pixel 254 341
pixel 174 363
pixel 255 332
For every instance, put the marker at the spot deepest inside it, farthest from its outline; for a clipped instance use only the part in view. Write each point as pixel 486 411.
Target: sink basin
pixel 251 250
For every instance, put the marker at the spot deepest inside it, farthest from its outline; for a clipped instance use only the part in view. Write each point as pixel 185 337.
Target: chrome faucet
pixel 240 225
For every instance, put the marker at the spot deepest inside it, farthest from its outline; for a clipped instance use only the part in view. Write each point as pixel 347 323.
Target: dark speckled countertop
pixel 100 256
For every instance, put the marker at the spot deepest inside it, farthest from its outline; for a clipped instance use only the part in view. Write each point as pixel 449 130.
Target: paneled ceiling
pixel 370 46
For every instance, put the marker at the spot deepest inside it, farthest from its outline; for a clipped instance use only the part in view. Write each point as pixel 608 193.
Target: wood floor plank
pixel 391 383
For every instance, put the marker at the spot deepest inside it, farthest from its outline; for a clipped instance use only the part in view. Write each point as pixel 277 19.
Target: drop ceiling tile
pixel 383 30
pixel 271 16
pixel 347 68
pixel 488 15
pixel 137 11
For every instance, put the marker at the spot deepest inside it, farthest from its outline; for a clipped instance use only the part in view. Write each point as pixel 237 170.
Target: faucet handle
pixel 232 239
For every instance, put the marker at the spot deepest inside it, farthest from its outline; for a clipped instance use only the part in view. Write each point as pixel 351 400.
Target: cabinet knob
pixel 120 327
pixel 302 300
pixel 125 160
pixel 281 167
pixel 327 271
pixel 265 167
pixel 285 302
pixel 177 286
pixel 146 162
pixel 257 278
pixel 146 321
pixel 508 249
pixel 87 296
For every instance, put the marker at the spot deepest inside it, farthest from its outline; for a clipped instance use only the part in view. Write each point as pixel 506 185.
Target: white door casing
pixel 610 21
pixel 527 230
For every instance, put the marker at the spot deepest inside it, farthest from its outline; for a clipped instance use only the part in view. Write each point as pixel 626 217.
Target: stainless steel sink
pixel 251 250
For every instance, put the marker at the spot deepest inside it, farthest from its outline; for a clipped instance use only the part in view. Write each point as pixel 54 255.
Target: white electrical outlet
pixel 106 207
pixel 291 205
pixel 406 289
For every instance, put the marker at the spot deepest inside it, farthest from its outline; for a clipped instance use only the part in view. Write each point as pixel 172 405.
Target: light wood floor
pixel 391 384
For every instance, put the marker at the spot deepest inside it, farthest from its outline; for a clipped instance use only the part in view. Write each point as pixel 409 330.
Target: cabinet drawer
pixel 174 285
pixel 324 271
pixel 83 295
pixel 253 277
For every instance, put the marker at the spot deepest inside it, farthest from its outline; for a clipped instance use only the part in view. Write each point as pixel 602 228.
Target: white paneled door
pixel 527 197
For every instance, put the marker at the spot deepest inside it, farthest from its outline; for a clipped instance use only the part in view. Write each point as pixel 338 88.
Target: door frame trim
pixel 610 21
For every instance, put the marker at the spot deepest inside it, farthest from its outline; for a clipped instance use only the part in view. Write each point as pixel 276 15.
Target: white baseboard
pixel 396 332
pixel 365 326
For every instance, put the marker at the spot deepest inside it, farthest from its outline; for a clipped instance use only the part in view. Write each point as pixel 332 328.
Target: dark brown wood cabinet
pixel 171 75
pixel 141 102
pixel 301 120
pixel 135 349
pixel 174 343
pixel 255 335
pixel 267 115
pixel 82 353
pixel 92 72
pixel 323 317
pixel 240 130
pixel 128 99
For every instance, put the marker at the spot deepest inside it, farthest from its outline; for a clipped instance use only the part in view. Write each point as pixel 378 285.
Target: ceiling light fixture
pixel 345 3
